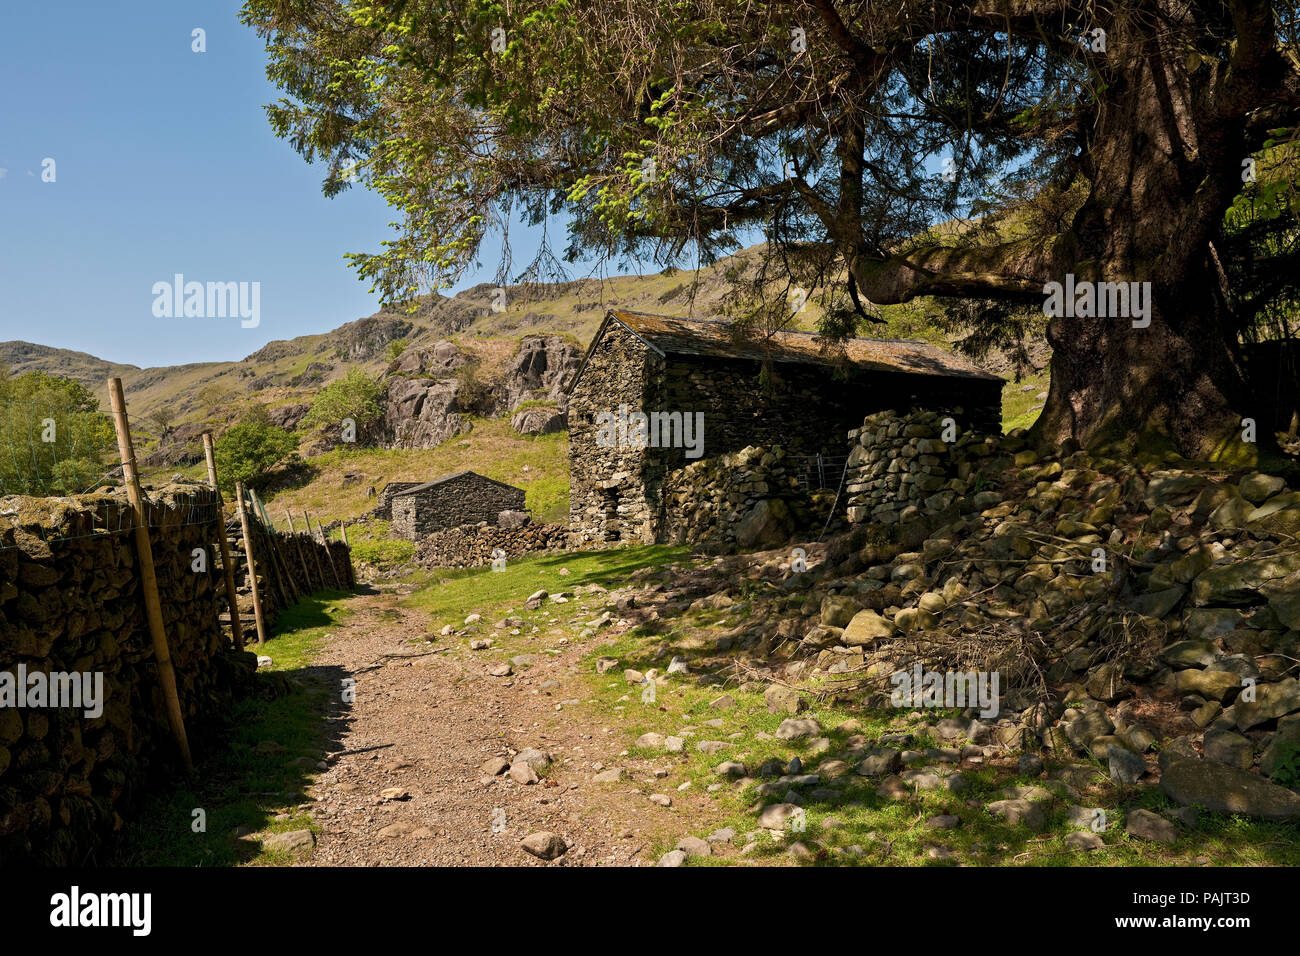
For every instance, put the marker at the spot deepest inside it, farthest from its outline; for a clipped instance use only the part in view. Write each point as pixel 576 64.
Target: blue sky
pixel 164 164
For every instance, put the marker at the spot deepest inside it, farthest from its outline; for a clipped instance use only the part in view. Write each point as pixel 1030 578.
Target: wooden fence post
pixel 352 574
pixel 302 555
pixel 295 593
pixel 320 568
pixel 148 577
pixel 329 556
pixel 232 600
pixel 252 568
pixel 280 579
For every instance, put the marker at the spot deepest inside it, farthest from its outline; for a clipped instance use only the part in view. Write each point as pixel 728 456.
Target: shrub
pixel 53 438
pixel 245 451
pixel 354 396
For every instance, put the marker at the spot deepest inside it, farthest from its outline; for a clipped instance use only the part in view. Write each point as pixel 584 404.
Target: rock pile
pixel 1127 610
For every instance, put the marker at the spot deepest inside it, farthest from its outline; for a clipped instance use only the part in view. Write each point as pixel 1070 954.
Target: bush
pixel 475 395
pixel 53 438
pixel 354 396
pixel 246 451
pixel 395 349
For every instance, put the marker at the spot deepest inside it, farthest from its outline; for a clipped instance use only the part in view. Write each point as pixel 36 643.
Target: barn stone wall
pixel 384 505
pixel 617 493
pixel 467 499
pixel 806 409
pixel 611 488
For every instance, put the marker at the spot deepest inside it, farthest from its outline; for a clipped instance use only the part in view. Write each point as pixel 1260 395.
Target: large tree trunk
pixel 1161 179
pixel 1172 385
pixel 1161 140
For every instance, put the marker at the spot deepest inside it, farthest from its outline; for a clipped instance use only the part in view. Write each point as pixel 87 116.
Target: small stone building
pixel 384 504
pixel 690 372
pixel 451 501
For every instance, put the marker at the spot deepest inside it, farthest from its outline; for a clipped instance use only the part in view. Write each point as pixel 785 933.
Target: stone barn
pixel 451 501
pixel 700 389
pixel 384 507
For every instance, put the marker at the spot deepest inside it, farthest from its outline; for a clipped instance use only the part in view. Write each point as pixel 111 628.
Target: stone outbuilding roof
pixel 415 489
pixel 666 334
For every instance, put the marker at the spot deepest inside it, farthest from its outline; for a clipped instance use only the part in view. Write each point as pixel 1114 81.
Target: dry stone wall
pixel 70 602
pixel 288 567
pixel 472 546
pixel 748 499
pixel 900 467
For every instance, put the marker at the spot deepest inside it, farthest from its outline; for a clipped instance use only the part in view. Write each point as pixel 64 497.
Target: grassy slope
pixel 538 465
pixel 889 832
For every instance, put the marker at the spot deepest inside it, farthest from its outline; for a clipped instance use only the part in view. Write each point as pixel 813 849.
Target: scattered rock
pixel 694 846
pixel 297 842
pixel 796 728
pixel 1145 825
pixel 1224 789
pixel 544 845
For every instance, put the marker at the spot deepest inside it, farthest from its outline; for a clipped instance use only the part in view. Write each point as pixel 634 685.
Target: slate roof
pixel 712 338
pixel 446 478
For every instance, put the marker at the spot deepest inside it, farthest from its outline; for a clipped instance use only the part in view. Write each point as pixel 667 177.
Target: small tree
pixel 395 349
pixel 55 439
pixel 161 419
pixel 354 396
pixel 247 450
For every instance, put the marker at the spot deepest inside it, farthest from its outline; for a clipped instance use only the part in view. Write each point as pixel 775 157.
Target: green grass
pixel 299 629
pixel 450 595
pixel 1020 402
pixel 371 543
pixel 236 783
pixel 851 814
pixel 539 465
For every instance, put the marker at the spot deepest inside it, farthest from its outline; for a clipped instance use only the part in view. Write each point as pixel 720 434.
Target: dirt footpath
pixel 425 726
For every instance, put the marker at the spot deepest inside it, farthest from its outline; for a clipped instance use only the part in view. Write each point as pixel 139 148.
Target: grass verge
pixel 250 781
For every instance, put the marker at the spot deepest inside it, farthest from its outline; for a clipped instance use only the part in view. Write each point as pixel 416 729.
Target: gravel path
pixel 427 725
